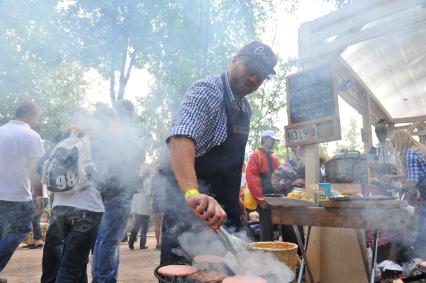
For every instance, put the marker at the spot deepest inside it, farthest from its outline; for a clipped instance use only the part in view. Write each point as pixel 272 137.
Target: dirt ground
pixel 135 266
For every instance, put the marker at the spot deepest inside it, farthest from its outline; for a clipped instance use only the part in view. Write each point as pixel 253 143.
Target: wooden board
pixel 287 202
pixel 327 129
pixel 373 218
pixel 364 204
pixel 341 259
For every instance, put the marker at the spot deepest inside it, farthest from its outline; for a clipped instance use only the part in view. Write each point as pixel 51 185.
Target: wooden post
pixel 312 169
pixel 367 133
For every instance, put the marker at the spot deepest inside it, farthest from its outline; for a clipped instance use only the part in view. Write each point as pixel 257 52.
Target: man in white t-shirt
pixel 20 149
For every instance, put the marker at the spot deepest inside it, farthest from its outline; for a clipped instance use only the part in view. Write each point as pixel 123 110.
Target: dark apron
pixel 219 175
pixel 266 178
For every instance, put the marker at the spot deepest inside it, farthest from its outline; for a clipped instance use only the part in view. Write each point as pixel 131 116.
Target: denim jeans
pixel 15 224
pixel 139 222
pixel 71 235
pixel 113 224
pixel 37 235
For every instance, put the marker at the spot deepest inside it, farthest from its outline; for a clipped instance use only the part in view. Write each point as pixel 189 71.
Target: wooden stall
pixel 374 53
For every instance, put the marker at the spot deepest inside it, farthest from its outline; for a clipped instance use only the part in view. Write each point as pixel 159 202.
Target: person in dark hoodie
pixel 118 158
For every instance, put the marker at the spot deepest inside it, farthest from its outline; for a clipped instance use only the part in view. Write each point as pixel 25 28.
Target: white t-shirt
pixel 89 199
pixel 19 145
pixel 142 201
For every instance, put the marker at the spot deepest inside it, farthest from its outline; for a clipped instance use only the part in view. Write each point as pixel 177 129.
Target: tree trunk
pixel 112 80
pixel 125 75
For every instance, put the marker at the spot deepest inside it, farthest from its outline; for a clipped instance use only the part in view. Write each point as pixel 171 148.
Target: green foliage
pixel 32 67
pixel 282 152
pixel 201 39
pixel 351 138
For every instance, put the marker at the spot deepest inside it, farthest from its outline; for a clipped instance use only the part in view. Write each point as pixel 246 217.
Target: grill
pixel 178 279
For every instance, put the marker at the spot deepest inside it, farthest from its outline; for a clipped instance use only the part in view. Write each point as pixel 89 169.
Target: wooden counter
pixel 372 218
pixel 335 251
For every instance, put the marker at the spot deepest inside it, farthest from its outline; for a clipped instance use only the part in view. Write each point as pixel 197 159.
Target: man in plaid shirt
pixel 412 154
pixel 416 166
pixel 207 145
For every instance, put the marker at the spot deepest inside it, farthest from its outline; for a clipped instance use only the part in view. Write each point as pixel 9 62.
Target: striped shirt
pixel 201 115
pixel 416 165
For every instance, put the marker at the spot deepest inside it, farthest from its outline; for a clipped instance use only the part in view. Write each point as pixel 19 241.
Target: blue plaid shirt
pixel 416 165
pixel 201 115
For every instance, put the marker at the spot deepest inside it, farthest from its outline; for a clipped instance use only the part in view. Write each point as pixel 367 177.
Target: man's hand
pixel 38 206
pixel 262 203
pixel 208 209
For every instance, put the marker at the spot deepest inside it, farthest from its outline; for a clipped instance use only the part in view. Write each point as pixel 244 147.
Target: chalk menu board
pixel 310 95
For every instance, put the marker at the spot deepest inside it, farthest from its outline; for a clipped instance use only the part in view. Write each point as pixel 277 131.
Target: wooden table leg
pixel 302 249
pixel 302 264
pixel 363 248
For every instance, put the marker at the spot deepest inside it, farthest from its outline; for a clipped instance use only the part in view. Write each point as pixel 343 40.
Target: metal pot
pixel 347 167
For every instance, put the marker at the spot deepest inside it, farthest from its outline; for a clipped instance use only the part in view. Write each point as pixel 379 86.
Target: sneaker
pixel 3 280
pixel 158 247
pixel 143 248
pixel 38 246
pixel 131 247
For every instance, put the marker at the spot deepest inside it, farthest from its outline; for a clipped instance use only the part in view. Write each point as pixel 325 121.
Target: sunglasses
pixel 253 69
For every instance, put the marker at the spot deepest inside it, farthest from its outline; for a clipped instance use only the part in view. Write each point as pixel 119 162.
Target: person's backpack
pixel 69 167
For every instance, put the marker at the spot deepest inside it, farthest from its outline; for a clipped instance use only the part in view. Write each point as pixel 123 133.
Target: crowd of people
pixel 93 170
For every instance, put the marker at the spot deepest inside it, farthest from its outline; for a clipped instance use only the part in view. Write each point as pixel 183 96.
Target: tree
pixel 32 67
pixel 351 138
pixel 209 33
pixel 164 36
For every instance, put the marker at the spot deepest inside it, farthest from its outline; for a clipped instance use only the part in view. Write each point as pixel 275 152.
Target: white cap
pixel 270 134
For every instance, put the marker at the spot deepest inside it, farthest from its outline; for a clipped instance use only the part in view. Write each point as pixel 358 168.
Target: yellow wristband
pixel 191 192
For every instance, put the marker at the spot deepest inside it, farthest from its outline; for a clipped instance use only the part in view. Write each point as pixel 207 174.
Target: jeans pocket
pixel 83 221
pixel 83 225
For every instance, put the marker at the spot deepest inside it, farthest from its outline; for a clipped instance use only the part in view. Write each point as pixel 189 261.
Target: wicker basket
pixel 285 252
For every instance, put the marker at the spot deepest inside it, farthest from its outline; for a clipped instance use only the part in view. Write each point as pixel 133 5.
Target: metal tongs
pixel 231 242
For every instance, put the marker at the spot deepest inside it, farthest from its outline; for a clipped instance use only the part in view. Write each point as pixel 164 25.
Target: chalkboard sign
pixel 310 95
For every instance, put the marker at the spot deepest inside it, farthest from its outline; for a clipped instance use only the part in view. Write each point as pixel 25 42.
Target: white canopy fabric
pixel 393 67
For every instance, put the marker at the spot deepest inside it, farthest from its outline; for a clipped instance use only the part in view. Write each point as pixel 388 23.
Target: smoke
pixel 258 263
pixel 245 262
pixel 115 151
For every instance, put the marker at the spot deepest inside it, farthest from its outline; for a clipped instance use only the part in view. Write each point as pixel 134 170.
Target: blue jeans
pixel 15 224
pixel 111 231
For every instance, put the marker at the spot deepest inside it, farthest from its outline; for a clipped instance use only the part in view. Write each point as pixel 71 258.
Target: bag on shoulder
pixel 249 200
pixel 69 167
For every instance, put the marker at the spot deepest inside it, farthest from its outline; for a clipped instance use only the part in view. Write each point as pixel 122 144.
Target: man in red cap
pixel 207 145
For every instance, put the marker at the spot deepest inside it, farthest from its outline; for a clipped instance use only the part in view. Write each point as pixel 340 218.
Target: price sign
pixel 312 133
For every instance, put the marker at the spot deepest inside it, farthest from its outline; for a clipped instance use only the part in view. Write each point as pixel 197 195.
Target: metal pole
pixel 302 249
pixel 302 264
pixel 374 259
